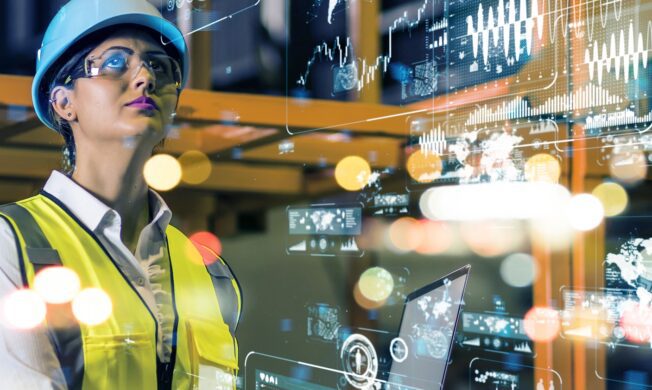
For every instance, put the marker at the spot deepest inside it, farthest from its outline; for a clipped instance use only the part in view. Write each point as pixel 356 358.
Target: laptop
pixel 421 351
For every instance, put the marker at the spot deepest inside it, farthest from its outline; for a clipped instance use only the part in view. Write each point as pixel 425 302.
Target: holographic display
pixel 391 204
pixel 324 230
pixel 505 375
pixel 191 16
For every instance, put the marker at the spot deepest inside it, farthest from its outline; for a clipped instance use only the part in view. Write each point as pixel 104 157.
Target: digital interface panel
pixel 329 220
pixel 324 230
pixel 191 16
pixel 495 332
pixel 504 375
pixel 391 204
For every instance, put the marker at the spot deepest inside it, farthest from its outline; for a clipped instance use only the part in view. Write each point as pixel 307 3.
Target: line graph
pixel 497 26
pixel 341 52
pixel 619 54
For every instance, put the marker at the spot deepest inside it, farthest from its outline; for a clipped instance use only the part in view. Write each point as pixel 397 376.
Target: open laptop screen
pixel 421 351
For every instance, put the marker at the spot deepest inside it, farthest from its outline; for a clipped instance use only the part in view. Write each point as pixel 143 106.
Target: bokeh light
pixel 492 201
pixel 365 302
pixel 613 197
pixel 92 306
pixel 376 284
pixel 57 284
pixel 425 203
pixel 492 238
pixel 373 234
pixel 424 167
pixel 24 309
pixel 541 324
pixel 352 173
pixel 552 228
pixel 628 164
pixel 437 237
pixel 162 172
pixel 636 321
pixel 405 234
pixel 519 270
pixel 196 167
pixel 542 167
pixel 208 246
pixel 584 212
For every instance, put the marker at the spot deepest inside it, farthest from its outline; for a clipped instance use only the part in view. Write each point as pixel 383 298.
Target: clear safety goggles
pixel 124 64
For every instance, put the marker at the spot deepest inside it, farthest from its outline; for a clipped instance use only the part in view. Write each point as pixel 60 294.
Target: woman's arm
pixel 27 358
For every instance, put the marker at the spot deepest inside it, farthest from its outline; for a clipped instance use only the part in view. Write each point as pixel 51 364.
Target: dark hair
pixel 74 65
pixel 69 67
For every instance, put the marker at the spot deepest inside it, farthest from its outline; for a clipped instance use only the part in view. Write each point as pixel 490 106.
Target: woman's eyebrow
pixel 127 49
pixel 132 51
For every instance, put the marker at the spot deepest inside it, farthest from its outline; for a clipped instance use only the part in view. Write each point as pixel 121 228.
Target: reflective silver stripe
pixel 67 341
pixel 224 290
pixel 38 249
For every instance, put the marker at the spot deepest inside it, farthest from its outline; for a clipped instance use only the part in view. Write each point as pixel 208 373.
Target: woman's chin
pixel 150 134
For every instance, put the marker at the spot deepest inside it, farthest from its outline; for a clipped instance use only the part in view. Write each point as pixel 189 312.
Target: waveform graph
pixel 499 26
pixel 623 52
pixel 499 43
pixel 580 19
pixel 433 142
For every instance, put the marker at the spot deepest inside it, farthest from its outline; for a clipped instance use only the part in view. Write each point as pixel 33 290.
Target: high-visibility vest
pixel 120 353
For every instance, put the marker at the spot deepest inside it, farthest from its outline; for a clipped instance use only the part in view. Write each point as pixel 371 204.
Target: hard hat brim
pixel 170 35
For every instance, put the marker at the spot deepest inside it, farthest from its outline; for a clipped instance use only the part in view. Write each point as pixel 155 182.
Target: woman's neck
pixel 115 176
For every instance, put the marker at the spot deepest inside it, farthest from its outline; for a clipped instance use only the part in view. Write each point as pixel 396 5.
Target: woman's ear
pixel 61 101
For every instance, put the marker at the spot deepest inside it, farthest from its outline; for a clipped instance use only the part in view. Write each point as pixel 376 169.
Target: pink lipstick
pixel 143 103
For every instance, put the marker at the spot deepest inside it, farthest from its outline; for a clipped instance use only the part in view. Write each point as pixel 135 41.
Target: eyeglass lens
pixel 116 63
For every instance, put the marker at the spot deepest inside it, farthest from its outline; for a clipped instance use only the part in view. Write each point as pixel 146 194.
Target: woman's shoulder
pixel 6 231
pixel 9 267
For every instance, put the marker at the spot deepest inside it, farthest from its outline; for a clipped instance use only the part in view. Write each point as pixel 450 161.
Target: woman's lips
pixel 143 103
pixel 143 106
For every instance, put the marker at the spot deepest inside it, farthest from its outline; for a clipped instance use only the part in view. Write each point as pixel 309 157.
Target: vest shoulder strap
pixel 37 247
pixel 227 289
pixel 66 341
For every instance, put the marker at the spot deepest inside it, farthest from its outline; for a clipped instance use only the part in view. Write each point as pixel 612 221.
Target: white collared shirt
pixel 27 359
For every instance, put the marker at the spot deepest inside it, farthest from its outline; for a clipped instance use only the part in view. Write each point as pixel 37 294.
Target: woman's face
pixel 108 109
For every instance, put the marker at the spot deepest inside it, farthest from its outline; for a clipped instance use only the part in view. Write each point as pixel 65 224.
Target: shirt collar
pixel 161 213
pixel 90 210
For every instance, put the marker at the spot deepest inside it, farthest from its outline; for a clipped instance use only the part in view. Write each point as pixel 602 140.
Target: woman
pixel 108 84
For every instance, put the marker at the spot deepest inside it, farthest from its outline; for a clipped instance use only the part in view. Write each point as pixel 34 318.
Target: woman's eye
pixel 115 62
pixel 157 65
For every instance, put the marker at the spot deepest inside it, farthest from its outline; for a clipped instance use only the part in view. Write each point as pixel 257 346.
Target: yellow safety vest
pixel 121 352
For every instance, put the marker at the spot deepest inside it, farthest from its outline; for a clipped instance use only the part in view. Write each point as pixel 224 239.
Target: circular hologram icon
pixel 398 349
pixel 359 361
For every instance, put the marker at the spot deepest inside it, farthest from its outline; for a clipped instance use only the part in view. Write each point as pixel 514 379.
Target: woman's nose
pixel 144 78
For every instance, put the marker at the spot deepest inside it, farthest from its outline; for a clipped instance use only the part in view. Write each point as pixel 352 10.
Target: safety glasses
pixel 121 63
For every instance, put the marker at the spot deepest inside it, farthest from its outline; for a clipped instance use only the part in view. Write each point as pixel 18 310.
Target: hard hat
pixel 77 19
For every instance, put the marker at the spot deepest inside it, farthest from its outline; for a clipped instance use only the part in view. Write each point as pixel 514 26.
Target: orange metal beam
pixel 234 108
